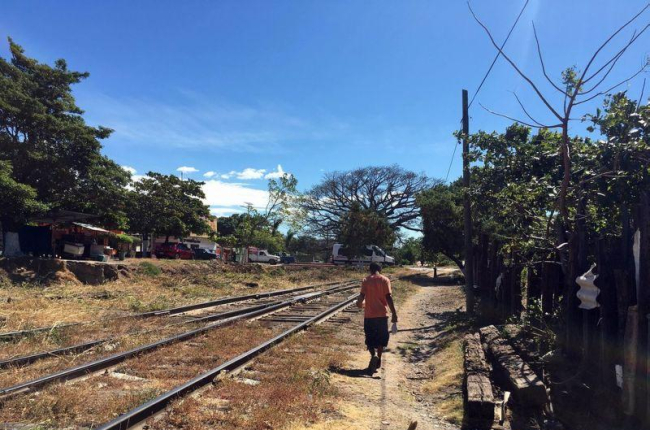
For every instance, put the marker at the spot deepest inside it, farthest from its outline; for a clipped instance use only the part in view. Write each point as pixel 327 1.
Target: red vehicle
pixel 174 250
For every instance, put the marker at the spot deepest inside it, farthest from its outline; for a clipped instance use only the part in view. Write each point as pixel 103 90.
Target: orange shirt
pixel 375 288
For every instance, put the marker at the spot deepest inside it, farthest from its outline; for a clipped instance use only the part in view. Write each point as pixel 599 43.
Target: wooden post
pixel 643 303
pixel 467 213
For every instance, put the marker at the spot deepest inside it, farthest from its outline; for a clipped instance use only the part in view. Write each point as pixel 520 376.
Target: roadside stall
pixel 78 240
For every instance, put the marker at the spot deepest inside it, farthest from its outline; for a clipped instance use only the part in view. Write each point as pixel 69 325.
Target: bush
pixel 150 269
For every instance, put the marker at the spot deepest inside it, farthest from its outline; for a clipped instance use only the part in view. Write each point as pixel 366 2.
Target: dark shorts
pixel 376 330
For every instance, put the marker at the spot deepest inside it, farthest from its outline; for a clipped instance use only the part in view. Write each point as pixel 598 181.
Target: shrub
pixel 150 269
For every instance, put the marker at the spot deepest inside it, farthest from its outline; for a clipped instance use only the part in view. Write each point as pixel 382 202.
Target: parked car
pixel 174 250
pixel 261 256
pixel 369 254
pixel 204 254
pixel 287 259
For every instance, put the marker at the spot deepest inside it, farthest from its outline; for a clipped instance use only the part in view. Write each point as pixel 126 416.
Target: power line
pixel 496 57
pixel 451 162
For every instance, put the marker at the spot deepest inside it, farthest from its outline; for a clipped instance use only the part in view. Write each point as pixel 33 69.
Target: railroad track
pixel 18 334
pixel 277 321
pixel 299 318
pixel 214 321
pixel 176 311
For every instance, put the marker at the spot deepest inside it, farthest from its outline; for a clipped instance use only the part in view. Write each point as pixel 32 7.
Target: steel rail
pixel 144 411
pixel 236 315
pixel 13 335
pixel 28 359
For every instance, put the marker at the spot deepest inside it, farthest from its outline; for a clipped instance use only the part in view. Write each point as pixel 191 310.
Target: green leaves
pixel 168 206
pixel 51 148
pixel 360 227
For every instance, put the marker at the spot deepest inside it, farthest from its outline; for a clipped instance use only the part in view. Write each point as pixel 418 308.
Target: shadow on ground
pixel 423 280
pixel 352 373
pixel 447 327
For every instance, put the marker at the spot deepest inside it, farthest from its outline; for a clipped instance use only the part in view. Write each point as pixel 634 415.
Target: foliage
pixel 388 191
pixel 18 200
pixel 168 206
pixel 360 227
pixel 124 238
pixel 150 269
pixel 260 227
pixel 442 217
pixel 410 251
pixel 51 148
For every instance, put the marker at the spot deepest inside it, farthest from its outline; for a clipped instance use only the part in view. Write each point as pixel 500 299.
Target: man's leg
pixel 380 350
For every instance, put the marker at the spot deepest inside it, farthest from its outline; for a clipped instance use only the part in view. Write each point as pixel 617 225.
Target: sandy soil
pixel 396 396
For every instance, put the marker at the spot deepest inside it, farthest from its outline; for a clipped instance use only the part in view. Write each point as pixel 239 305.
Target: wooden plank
pixel 524 383
pixel 479 397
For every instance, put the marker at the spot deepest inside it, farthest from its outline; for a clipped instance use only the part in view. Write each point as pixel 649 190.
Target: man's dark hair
pixel 375 268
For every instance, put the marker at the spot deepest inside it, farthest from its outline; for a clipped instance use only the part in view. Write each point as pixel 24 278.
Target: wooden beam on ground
pixel 479 397
pixel 524 383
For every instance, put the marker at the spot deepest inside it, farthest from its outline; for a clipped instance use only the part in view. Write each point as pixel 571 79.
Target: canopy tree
pixel 51 148
pixel 259 227
pixel 168 206
pixel 442 221
pixel 388 191
pixel 361 227
pixel 18 200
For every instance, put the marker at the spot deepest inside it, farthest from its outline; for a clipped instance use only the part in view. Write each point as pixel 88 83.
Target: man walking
pixel 376 291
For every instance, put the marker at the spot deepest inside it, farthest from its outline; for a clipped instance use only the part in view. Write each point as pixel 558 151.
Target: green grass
pixel 150 269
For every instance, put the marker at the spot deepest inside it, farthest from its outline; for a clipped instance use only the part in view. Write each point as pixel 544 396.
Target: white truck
pixel 369 254
pixel 256 255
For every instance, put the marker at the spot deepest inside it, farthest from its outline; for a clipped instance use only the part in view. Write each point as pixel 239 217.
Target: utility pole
pixel 467 213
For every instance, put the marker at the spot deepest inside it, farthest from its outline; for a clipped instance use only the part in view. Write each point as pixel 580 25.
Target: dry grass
pixel 293 386
pixel 150 374
pixel 279 400
pixel 101 397
pixel 25 305
pixel 447 382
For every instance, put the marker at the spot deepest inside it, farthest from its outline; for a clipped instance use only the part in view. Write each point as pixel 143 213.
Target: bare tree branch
pixel 522 74
pixel 638 104
pixel 541 60
pixel 609 39
pixel 600 93
pixel 518 120
pixel 526 112
pixel 613 62
pixel 503 45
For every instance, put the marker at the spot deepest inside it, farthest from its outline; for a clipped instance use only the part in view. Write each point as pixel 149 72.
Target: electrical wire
pixel 496 57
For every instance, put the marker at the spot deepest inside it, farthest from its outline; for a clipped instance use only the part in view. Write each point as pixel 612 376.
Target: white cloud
pixel 225 198
pixel 250 173
pixel 187 169
pixel 276 174
pixel 209 174
pixel 246 174
pixel 130 169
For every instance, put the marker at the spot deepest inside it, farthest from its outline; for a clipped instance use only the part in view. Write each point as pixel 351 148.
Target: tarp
pixel 90 227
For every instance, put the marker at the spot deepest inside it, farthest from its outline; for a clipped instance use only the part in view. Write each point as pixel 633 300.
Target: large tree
pixel 51 148
pixel 361 227
pixel 259 227
pixel 18 200
pixel 168 206
pixel 442 221
pixel 388 191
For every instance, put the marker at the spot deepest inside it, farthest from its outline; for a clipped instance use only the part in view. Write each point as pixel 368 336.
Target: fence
pixel 614 336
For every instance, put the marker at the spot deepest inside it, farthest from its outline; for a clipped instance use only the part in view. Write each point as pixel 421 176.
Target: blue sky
pixel 240 90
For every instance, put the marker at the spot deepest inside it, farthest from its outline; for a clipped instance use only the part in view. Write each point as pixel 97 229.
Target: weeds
pixel 150 269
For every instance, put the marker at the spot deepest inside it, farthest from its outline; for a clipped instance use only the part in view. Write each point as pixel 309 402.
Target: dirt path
pixel 397 395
